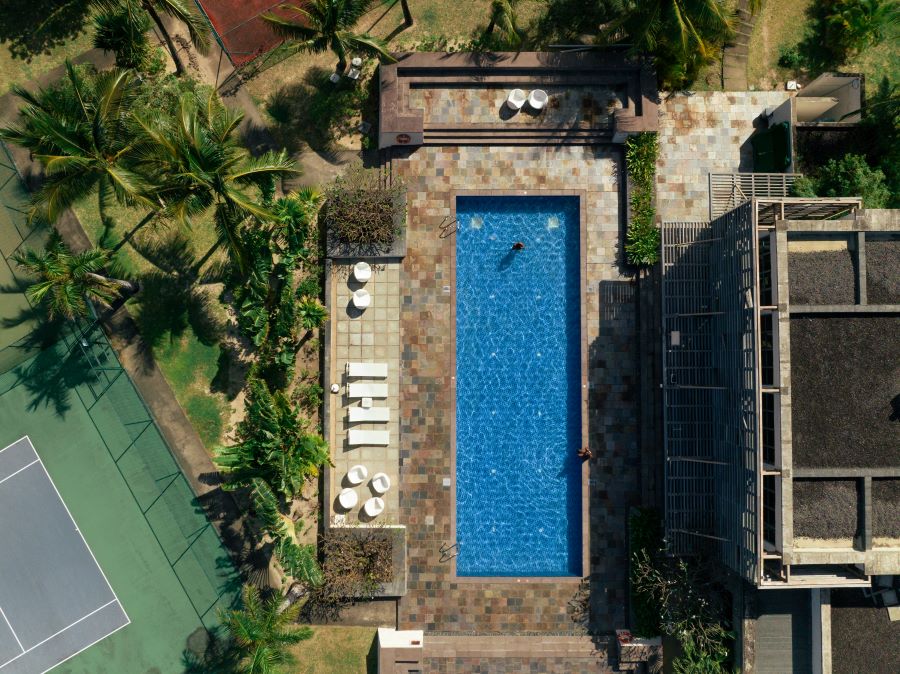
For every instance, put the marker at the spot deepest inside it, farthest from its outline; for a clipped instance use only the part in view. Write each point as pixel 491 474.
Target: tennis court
pixel 55 600
pixel 239 27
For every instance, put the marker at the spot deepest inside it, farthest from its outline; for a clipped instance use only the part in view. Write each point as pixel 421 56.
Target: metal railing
pixel 729 190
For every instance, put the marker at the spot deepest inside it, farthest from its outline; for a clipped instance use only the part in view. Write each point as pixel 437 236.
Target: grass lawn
pixel 36 36
pixel 307 109
pixel 783 24
pixel 335 650
pixel 183 322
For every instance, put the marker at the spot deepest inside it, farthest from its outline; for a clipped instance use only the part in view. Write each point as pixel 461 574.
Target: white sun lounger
pixel 356 437
pixel 371 414
pixel 367 370
pixel 366 389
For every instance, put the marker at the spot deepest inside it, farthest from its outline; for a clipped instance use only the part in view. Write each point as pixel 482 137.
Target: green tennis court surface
pixel 118 478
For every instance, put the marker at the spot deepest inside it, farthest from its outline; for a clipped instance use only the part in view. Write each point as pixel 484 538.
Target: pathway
pixel 734 60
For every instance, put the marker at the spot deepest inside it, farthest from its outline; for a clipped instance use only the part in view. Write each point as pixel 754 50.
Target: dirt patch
pixel 883 272
pixel 845 396
pixel 825 509
pixel 824 277
pixel 886 508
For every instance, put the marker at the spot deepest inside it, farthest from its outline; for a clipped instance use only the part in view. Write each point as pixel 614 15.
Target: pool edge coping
pixel 585 436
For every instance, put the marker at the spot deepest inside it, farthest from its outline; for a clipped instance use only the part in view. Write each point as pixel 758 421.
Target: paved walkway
pixel 703 133
pixel 515 654
pixel 370 336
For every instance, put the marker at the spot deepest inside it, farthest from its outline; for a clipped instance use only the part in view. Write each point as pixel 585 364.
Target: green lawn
pixel 783 25
pixel 336 650
pixel 183 322
pixel 36 36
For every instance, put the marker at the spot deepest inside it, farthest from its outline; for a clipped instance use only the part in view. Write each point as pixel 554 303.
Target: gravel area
pixel 822 277
pixel 886 507
pixel 845 393
pixel 863 639
pixel 825 509
pixel 883 272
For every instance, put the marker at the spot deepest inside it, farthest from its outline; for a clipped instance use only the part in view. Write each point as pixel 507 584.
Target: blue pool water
pixel 518 387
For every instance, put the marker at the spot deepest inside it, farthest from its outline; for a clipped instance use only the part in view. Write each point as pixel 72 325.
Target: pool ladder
pixel 448 551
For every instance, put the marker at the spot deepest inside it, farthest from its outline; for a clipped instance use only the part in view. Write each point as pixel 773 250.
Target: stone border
pixel 400 126
pixel 585 436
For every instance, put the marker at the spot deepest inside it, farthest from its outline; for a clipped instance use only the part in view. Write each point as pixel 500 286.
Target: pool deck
pixel 436 600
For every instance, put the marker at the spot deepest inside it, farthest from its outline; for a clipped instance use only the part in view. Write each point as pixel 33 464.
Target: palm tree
pixel 121 27
pixel 503 16
pixel 197 159
pixel 67 280
pixel 684 35
pixel 78 131
pixel 262 632
pixel 328 24
pixel 176 9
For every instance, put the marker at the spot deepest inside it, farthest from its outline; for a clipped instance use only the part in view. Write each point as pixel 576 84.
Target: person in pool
pixel 518 245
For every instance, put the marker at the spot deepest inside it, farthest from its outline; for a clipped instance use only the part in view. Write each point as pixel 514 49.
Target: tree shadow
pixel 822 47
pixel 210 652
pixel 51 377
pixel 317 112
pixel 33 27
pixel 172 297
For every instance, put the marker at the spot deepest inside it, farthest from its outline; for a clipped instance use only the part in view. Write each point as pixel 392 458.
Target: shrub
pixel 642 239
pixel 357 562
pixel 850 176
pixel 313 313
pixel 645 537
pixel 362 213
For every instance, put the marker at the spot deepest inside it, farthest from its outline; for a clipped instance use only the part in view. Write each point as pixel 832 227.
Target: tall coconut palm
pixel 684 35
pixel 78 131
pixel 67 280
pixel 176 9
pixel 196 158
pixel 262 632
pixel 321 25
pixel 122 29
pixel 503 16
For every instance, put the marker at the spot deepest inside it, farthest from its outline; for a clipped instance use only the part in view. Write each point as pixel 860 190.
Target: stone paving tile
pixel 436 601
pixel 701 134
pixel 569 107
pixel 370 336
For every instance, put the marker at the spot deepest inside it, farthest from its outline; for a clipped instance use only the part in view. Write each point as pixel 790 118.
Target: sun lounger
pixel 372 414
pixel 366 389
pixel 358 437
pixel 367 370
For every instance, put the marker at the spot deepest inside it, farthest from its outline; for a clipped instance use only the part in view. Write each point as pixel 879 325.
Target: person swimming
pixel 518 245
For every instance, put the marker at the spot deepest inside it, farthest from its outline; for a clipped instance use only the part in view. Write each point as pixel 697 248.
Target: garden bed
pixel 822 277
pixel 844 374
pixel 825 509
pixel 883 271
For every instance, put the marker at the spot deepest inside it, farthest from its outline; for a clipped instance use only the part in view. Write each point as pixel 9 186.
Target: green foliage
pixel 880 135
pixel 804 186
pixel 66 281
pixel 273 444
pixel 645 538
pixel 308 392
pixel 642 240
pixel 313 313
pixel 696 660
pixel 790 57
pixel 297 561
pixel 840 29
pixel 362 212
pixel 322 25
pixel 121 27
pixel 683 35
pixel 262 632
pixel 850 176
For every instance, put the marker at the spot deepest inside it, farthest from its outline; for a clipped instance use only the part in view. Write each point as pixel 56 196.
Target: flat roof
pixel 55 600
pixel 844 386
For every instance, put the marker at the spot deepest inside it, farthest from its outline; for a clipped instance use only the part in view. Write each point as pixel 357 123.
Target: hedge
pixel 642 240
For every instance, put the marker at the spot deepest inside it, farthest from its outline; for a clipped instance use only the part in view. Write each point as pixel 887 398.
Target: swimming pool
pixel 518 386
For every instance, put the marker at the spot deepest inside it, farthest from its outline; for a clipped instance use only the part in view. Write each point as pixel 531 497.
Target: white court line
pixel 52 636
pixel 12 630
pixel 99 568
pixel 18 471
